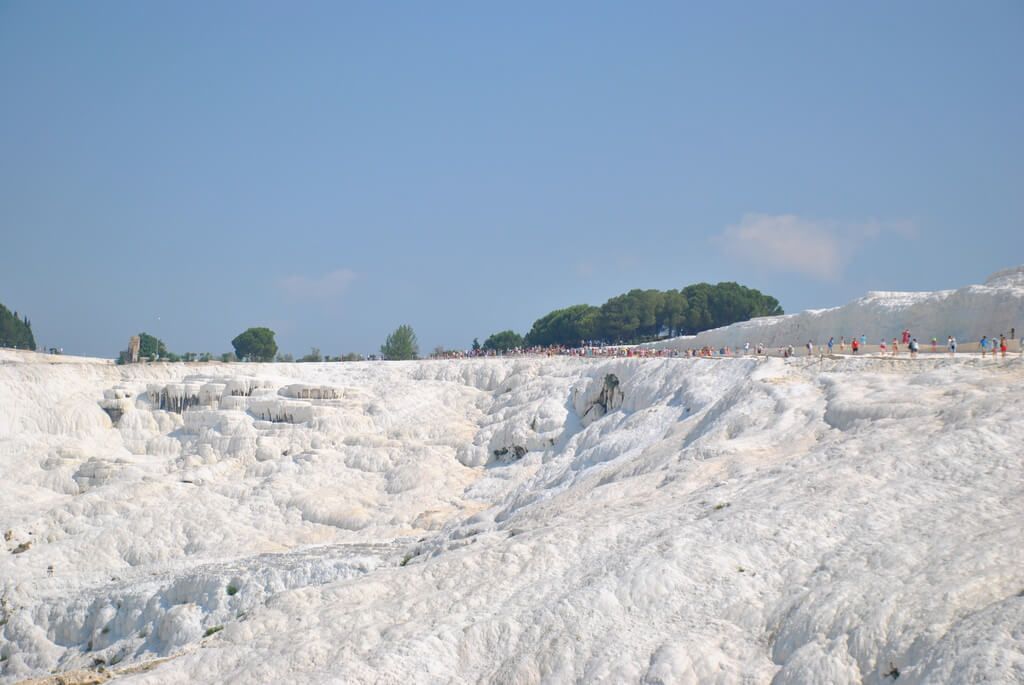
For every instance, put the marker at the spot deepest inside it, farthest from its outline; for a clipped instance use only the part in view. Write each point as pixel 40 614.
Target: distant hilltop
pixel 993 309
pixel 1007 278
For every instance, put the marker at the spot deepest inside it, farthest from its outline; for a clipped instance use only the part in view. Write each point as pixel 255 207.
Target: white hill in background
pixel 967 314
pixel 663 520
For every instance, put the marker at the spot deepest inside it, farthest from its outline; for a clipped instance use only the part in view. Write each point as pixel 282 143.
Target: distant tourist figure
pixel 854 345
pixel 935 345
pixel 842 344
pixel 831 342
pixel 881 345
pixel 952 346
pixel 983 344
pixel 906 336
pixel 863 340
pixel 810 348
pixel 895 347
pixel 913 348
pixel 1002 346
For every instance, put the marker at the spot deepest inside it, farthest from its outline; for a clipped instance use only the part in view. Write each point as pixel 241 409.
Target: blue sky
pixel 333 170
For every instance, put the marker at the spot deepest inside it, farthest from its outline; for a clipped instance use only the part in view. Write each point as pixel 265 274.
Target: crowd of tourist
pixel 856 345
pixel 585 349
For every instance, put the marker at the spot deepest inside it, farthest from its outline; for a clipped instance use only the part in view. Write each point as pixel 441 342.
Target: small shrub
pixel 232 590
pixel 213 630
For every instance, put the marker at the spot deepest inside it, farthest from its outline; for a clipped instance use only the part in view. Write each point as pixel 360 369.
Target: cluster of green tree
pixel 567 326
pixel 253 344
pixel 641 315
pixel 191 357
pixel 503 341
pixel 315 356
pixel 15 332
pixel 153 348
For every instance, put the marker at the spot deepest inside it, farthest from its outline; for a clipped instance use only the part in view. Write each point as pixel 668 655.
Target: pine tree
pixel 401 344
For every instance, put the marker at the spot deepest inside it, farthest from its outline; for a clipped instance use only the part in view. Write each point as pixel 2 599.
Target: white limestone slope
pixel 967 313
pixel 514 521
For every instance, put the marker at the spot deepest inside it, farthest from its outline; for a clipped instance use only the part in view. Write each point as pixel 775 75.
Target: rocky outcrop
pixel 507 455
pixel 609 398
pixel 116 402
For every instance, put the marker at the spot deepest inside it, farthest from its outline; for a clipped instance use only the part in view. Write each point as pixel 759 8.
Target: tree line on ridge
pixel 643 315
pixel 14 331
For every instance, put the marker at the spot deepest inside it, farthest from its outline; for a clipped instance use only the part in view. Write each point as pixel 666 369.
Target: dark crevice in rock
pixel 513 453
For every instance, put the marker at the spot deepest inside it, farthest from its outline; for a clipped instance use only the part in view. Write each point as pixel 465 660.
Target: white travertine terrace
pixel 662 520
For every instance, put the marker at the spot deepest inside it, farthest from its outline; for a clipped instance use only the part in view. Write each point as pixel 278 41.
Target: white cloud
pixel 331 284
pixel 816 248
